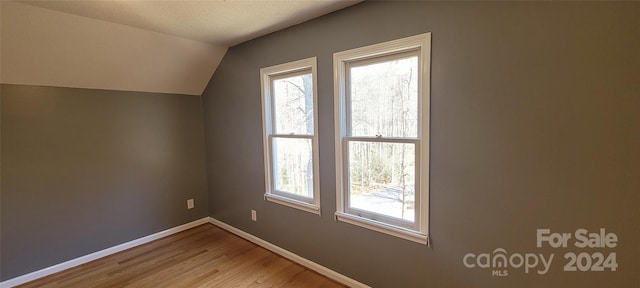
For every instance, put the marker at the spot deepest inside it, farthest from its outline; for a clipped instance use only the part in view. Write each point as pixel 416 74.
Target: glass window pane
pixel 293 105
pixel 293 166
pixel 384 98
pixel 382 178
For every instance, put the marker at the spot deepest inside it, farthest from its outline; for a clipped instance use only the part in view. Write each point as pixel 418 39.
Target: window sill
pixel 311 208
pixel 406 234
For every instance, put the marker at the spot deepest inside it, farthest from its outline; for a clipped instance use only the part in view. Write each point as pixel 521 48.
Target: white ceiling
pixel 224 23
pixel 133 45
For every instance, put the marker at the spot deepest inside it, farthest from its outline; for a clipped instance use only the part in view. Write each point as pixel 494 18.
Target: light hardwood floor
pixel 204 256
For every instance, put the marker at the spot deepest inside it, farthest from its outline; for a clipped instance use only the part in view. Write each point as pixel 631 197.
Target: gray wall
pixel 534 124
pixel 84 170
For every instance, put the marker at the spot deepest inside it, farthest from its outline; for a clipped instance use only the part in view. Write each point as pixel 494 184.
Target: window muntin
pixel 382 108
pixel 289 124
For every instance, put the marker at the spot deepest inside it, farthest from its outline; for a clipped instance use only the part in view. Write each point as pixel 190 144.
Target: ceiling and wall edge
pixel 44 47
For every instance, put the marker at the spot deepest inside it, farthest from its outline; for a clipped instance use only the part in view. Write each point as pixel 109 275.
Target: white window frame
pixel 267 76
pixel 341 61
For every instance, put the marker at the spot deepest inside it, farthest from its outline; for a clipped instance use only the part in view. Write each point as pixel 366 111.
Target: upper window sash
pixel 349 67
pixel 284 82
pixel 283 71
pixel 342 60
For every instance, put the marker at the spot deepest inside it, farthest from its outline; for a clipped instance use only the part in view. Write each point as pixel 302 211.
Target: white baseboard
pixel 291 256
pixel 96 255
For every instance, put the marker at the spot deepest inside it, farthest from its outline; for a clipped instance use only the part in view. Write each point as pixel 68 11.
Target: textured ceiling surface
pixel 135 45
pixel 225 23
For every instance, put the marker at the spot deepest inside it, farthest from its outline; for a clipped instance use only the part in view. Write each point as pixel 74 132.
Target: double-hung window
pixel 289 134
pixel 382 136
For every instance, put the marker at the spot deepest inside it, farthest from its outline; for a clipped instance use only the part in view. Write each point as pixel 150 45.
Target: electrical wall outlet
pixel 190 204
pixel 254 215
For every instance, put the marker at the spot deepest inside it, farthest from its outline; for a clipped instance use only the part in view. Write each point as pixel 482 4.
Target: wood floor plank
pixel 282 276
pixel 204 256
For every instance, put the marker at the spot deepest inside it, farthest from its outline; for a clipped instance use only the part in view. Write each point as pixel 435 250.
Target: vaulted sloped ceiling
pixel 152 46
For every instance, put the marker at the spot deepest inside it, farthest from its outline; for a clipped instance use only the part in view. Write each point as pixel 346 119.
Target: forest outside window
pixel 289 134
pixel 382 137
